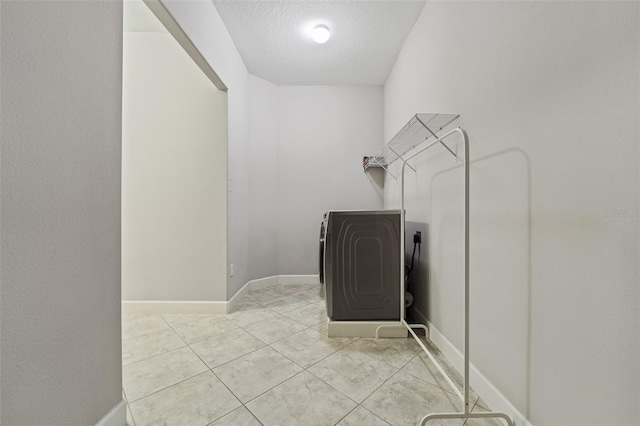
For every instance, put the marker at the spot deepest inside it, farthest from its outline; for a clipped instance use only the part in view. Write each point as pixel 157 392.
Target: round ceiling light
pixel 320 34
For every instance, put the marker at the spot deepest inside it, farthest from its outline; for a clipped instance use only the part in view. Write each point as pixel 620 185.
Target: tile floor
pixel 270 362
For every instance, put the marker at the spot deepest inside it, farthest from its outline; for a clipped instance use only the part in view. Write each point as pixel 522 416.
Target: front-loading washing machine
pixel 361 264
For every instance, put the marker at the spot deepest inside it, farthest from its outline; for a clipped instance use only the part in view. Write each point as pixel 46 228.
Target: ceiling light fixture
pixel 320 34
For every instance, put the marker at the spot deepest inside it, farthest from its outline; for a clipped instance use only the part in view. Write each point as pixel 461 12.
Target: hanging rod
pixel 466 414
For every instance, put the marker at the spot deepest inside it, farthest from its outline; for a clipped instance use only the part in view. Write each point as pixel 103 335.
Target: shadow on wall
pixel 499 271
pixel 376 178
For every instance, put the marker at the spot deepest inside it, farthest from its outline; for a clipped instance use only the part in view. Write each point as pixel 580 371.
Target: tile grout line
pixel 225 385
pixel 446 389
pixel 306 368
pixel 171 327
pixel 178 382
pixel 302 331
pixel 313 327
pixel 214 375
pixel 131 414
pixel 303 368
pixel 343 417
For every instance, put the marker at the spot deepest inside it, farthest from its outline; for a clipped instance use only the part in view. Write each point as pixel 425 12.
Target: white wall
pixel 174 175
pixel 203 25
pixel 349 118
pixel 263 178
pixel 323 133
pixel 60 172
pixel 549 93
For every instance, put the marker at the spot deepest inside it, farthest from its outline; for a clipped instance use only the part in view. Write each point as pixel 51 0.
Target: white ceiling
pixel 272 37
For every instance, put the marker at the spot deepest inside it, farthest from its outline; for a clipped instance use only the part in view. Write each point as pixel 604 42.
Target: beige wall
pixel 60 212
pixel 174 202
pixel 550 95
pixel 203 25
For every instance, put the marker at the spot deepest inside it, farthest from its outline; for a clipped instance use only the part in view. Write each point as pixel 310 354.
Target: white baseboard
pixel 117 416
pixel 298 279
pixel 172 307
pixel 262 282
pixel 214 307
pixel 483 387
pixel 238 297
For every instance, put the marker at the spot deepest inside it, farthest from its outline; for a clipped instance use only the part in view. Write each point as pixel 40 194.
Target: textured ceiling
pixel 273 38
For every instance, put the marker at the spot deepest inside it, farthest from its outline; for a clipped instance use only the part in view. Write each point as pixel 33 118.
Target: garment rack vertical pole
pixel 466 414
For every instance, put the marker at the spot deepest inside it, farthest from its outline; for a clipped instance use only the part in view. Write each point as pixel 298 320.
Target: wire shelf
pixel 420 128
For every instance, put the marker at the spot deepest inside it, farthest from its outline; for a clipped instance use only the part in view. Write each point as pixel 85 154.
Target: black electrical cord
pixel 410 268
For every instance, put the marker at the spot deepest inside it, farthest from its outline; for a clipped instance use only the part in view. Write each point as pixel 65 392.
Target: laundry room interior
pixel 325 213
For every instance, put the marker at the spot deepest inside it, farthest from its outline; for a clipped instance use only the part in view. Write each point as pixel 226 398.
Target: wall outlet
pixel 231 270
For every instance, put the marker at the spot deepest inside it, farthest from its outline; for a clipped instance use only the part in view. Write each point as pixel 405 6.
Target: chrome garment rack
pixel 403 142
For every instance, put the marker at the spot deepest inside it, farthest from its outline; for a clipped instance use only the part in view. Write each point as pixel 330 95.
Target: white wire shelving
pixel 421 128
pixel 434 129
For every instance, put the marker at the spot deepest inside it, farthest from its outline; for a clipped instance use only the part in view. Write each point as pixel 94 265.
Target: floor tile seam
pixel 152 356
pixel 290 310
pixel 376 389
pixel 473 408
pixel 339 349
pixel 231 360
pixel 201 360
pixel 360 406
pixel 253 414
pixel 457 398
pixel 218 335
pixel 177 349
pixel 164 353
pixel 377 359
pixel 395 374
pixel 193 320
pixel 298 309
pixel 243 406
pixel 332 387
pixel 145 333
pixel 373 414
pixel 218 418
pixel 298 332
pixel 292 319
pixel 257 303
pixel 161 353
pixel 171 385
pixel 444 388
pixel 124 321
pixel 128 408
pixel 252 322
pixel 301 366
pixel 382 360
pixel 218 377
pixel 343 417
pixel 131 414
pixel 272 387
pixel 213 335
pixel 185 342
pixel 286 337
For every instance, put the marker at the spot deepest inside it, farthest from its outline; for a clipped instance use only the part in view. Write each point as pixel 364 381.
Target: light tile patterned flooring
pixel 270 362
